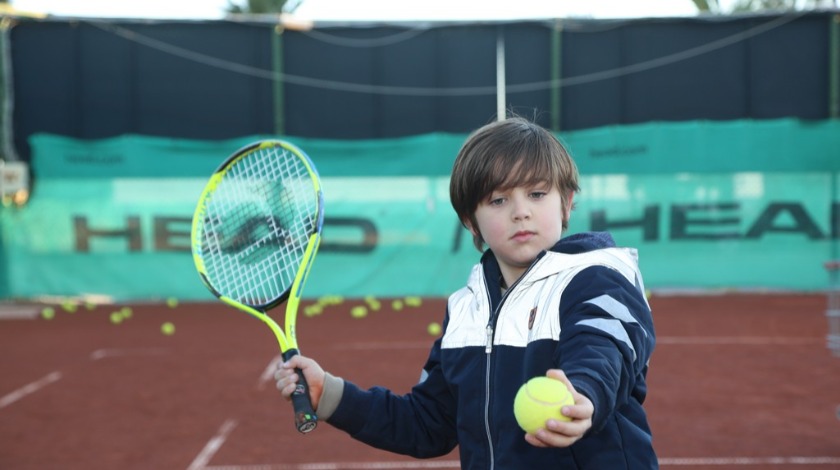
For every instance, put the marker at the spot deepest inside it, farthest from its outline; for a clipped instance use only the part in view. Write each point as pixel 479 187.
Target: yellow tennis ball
pixel 167 328
pixel 397 305
pixel 312 310
pixel 331 300
pixel 413 301
pixel 434 328
pixel 48 313
pixel 359 311
pixel 116 318
pixel 172 302
pixel 373 303
pixel 539 400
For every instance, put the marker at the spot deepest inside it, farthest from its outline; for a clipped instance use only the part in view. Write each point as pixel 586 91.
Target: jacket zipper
pixel 488 350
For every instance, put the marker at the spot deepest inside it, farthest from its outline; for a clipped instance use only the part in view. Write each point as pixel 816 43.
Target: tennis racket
pixel 255 233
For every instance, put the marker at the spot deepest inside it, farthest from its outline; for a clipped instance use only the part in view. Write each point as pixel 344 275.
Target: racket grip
pixel 305 418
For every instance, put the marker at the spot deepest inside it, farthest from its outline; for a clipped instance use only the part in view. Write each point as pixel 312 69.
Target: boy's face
pixel 519 223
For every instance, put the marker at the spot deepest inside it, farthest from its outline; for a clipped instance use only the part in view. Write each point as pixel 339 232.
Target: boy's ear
pixel 569 205
pixel 469 227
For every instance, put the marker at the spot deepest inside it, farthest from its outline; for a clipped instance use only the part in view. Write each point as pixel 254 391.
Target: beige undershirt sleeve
pixel 333 390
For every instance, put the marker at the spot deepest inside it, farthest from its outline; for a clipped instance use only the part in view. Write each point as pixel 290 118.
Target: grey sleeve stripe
pixel 611 327
pixel 613 307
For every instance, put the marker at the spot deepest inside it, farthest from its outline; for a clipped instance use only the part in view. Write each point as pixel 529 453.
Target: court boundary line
pixel 213 445
pixel 29 388
pixel 104 353
pixel 664 340
pixel 419 465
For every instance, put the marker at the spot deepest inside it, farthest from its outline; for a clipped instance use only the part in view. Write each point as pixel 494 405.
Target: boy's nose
pixel 521 211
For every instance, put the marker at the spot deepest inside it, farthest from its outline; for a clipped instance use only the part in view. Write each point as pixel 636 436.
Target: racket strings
pixel 257 226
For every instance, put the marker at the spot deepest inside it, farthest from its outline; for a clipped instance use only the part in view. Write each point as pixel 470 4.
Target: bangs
pixel 528 168
pixel 524 173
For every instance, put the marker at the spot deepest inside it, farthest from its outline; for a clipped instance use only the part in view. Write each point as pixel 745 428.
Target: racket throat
pixel 289 354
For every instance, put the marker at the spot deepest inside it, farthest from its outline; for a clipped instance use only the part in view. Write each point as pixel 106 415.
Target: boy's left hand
pixel 565 433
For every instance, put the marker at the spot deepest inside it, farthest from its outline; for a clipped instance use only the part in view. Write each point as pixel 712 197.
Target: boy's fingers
pixel 295 361
pixel 534 441
pixel 283 370
pixel 286 390
pixel 578 412
pixel 561 376
pixel 547 438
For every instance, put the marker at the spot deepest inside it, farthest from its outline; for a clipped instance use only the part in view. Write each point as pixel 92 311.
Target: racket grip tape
pixel 305 418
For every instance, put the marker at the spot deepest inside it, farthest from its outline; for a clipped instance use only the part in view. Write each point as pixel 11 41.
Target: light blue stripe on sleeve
pixel 613 307
pixel 611 327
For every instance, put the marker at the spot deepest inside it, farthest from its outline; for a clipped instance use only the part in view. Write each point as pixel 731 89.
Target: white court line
pixel 346 466
pixel 733 461
pixel 738 340
pixel 19 312
pixel 669 462
pixel 29 389
pixel 212 446
pixel 376 345
pixel 670 340
pixel 103 353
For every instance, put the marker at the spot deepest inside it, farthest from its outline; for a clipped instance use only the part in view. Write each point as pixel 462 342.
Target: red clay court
pixel 736 382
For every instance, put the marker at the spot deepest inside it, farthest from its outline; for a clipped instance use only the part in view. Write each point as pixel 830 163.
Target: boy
pixel 573 309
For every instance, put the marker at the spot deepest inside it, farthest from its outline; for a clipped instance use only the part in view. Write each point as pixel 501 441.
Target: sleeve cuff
pixel 586 387
pixel 331 396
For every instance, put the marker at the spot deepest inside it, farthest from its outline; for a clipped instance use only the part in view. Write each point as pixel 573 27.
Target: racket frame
pixel 306 419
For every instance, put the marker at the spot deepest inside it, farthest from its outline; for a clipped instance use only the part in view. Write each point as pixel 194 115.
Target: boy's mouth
pixel 522 235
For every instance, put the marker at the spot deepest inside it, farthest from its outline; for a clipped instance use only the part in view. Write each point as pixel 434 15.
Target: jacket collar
pixel 573 244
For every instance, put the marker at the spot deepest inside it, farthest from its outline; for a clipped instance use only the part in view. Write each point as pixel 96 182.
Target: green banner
pixel 91 227
pixel 783 145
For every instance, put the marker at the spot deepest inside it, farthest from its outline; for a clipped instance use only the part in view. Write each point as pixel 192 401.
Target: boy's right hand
pixel 286 378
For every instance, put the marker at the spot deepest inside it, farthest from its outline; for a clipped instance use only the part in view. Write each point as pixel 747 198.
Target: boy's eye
pixel 538 194
pixel 496 201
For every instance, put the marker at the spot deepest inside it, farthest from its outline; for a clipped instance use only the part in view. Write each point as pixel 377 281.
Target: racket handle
pixel 305 418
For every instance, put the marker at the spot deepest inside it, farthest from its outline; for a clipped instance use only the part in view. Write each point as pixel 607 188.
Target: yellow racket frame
pixel 287 336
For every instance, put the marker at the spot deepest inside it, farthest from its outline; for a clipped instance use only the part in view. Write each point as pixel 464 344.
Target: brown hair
pixel 505 154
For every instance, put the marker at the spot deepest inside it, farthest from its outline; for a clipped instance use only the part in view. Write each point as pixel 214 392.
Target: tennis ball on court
pixel 373 303
pixel 359 311
pixel 69 306
pixel 172 302
pixel 397 305
pixel 116 318
pixel 434 328
pixel 48 313
pixel 413 301
pixel 312 310
pixel 647 293
pixel 331 300
pixel 167 328
pixel 126 312
pixel 539 400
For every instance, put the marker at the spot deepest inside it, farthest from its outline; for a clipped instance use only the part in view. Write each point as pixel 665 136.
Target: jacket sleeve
pixel 606 339
pixel 420 424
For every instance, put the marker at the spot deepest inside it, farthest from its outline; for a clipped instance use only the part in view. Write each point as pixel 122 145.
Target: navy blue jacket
pixel 580 307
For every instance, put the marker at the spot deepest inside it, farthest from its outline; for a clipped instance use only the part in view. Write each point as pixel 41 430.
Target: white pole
pixel 500 76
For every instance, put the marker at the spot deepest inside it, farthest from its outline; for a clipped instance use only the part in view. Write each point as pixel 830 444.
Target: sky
pixel 372 10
